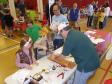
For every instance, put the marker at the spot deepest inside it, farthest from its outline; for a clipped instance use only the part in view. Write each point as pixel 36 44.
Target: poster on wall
pixel 50 3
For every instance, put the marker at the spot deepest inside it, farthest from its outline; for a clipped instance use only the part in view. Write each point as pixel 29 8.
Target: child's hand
pixel 35 63
pixel 29 67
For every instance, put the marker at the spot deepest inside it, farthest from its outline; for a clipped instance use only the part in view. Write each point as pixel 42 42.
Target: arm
pixel 41 43
pixel 68 15
pixel 29 33
pixel 20 65
pixel 54 26
pixel 68 46
pixel 34 60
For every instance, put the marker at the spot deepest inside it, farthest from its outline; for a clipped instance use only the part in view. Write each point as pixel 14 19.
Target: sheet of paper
pixel 96 41
pixel 20 75
pixel 99 40
pixel 90 32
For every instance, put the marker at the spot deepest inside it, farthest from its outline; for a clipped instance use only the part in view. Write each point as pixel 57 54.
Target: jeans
pixel 105 21
pixel 89 21
pixel 82 77
pixel 3 23
pixel 100 25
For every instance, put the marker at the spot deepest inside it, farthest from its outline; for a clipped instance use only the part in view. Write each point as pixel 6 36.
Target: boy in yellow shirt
pixel 101 17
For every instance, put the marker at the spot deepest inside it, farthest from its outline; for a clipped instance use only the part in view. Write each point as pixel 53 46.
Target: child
pixel 49 41
pixel 9 24
pixel 101 17
pixel 46 41
pixel 24 57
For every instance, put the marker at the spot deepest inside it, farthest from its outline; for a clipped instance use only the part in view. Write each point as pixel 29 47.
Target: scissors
pixel 61 74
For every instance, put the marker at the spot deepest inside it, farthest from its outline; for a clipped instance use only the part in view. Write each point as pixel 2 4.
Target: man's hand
pixel 55 55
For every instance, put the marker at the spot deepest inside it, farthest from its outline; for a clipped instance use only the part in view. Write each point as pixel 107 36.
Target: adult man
pixel 74 16
pixel 90 11
pixel 56 20
pixel 58 2
pixel 62 10
pixel 83 50
pixel 107 11
pixel 33 32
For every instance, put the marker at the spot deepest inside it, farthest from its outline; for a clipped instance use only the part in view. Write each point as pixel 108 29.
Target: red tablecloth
pixel 109 81
pixel 101 47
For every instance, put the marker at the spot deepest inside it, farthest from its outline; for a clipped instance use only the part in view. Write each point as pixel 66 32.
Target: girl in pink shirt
pixel 24 58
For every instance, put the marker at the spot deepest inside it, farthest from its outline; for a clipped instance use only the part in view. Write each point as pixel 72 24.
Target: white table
pixel 48 78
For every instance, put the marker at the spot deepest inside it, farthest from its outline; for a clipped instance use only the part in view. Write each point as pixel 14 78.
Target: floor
pixel 8 48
